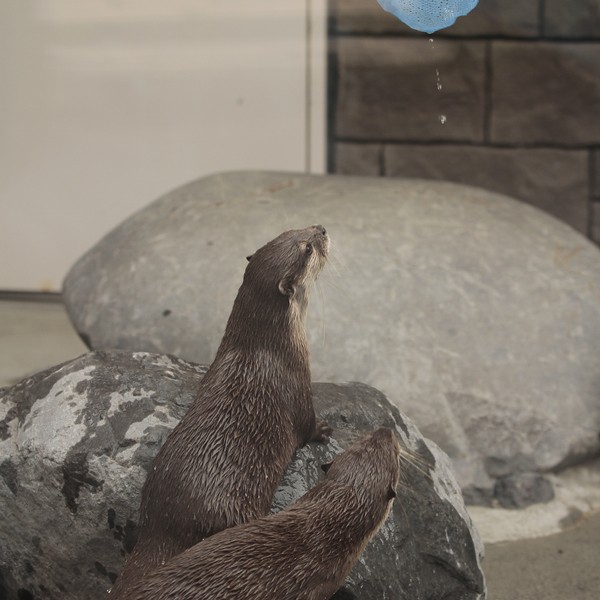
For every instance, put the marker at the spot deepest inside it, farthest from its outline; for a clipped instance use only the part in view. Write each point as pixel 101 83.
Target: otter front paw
pixel 321 433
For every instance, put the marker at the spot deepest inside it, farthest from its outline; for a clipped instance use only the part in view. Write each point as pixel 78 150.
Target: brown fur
pixel 221 464
pixel 302 553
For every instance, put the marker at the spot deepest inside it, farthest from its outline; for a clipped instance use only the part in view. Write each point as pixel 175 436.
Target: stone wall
pixel 507 99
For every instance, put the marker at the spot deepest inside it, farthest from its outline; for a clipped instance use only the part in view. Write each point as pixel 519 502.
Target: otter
pixel 220 465
pixel 303 552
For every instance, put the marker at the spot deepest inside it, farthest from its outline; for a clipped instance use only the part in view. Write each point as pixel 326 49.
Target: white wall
pixel 107 104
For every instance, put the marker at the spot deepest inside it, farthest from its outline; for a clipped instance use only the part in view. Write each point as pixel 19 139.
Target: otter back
pixel 303 552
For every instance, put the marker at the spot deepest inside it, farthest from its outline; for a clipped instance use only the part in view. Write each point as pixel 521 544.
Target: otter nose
pixel 321 229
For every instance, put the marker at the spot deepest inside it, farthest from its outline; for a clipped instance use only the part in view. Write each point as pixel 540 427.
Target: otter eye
pixel 391 493
pixel 309 248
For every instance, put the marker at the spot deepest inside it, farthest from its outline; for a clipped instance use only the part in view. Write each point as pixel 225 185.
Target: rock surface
pixel 478 316
pixel 77 440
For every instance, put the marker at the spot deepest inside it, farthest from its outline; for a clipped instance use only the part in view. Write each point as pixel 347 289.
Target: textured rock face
pixel 77 440
pixel 477 315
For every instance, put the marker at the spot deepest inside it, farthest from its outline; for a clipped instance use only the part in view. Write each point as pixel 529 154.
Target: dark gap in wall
pixel 331 19
pixel 487 92
pixel 28 296
pixel 332 94
pixel 542 19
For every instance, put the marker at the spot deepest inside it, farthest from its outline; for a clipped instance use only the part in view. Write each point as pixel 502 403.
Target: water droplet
pixel 443 119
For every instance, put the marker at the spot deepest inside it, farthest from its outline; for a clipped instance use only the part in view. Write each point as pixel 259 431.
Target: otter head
pixel 371 466
pixel 290 263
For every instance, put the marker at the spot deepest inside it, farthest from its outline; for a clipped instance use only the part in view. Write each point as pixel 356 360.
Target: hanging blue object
pixel 428 15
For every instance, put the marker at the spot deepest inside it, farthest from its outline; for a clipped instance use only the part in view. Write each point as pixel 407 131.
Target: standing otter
pixel 220 465
pixel 301 553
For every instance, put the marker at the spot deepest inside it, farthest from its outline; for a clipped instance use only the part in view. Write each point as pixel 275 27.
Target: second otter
pixel 301 553
pixel 221 464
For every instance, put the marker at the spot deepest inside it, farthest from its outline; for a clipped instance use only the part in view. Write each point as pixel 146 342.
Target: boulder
pixel 77 440
pixel 479 316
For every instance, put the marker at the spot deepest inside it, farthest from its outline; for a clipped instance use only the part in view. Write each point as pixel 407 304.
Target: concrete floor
pixel 35 335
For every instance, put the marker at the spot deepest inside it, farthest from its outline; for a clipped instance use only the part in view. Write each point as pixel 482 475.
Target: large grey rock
pixel 477 315
pixel 77 440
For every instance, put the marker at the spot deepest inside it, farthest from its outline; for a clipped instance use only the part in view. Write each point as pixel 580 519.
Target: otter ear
pixel 325 466
pixel 249 257
pixel 391 493
pixel 287 288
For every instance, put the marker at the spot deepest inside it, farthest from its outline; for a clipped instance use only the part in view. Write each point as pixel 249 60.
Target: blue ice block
pixel 428 15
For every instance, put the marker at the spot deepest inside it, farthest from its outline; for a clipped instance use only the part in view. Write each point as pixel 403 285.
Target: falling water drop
pixel 438 84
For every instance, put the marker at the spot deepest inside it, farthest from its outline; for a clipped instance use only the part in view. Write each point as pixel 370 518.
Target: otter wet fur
pixel 301 553
pixel 221 464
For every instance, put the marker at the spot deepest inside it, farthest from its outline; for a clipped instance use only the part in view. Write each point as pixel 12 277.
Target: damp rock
pixel 522 490
pixel 77 440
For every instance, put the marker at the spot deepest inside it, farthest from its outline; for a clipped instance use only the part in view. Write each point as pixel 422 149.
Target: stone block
pixel 388 89
pixel 358 159
pixel 522 490
pixel 580 19
pixel 552 179
pixel 489 18
pixel 545 93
